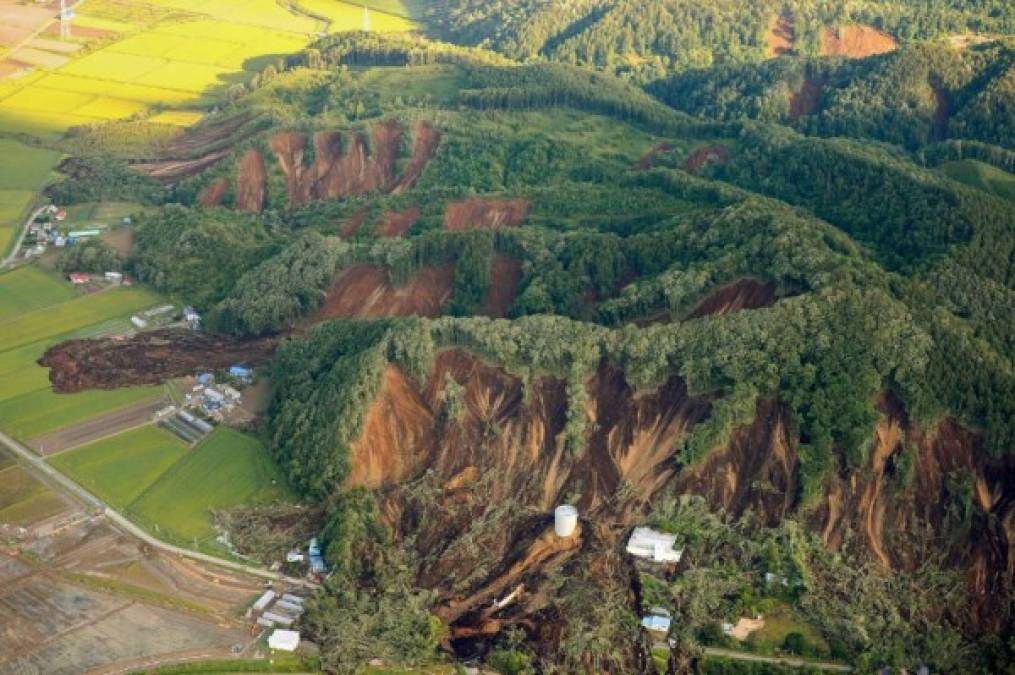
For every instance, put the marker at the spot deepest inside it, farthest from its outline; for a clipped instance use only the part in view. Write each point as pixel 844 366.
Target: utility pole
pixel 366 19
pixel 65 17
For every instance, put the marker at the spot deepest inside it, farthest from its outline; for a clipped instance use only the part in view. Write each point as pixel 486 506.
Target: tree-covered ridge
pixel 647 40
pixel 912 97
pixel 882 278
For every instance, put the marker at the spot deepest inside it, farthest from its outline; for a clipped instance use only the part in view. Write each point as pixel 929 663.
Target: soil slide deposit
pixel 349 164
pixel 781 37
pixel 645 162
pixel 476 493
pixel 485 214
pixel 702 156
pixel 366 292
pixel 855 42
pixel 397 223
pixel 741 294
pixel 147 358
pixel 807 101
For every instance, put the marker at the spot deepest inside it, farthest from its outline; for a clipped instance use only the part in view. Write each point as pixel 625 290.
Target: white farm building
pixel 652 545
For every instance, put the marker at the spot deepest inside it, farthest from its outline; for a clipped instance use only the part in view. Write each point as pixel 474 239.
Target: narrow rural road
pixel 781 660
pixel 21 238
pixel 36 463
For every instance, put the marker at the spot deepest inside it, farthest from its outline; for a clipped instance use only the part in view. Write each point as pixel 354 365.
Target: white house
pixel 285 640
pixel 655 546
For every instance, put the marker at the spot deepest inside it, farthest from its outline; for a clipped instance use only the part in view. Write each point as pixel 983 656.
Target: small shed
pixel 657 623
pixel 138 321
pixel 262 602
pixel 285 640
pixel 278 619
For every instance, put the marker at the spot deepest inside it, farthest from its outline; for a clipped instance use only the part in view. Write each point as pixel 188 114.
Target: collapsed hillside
pixel 467 465
pixel 323 166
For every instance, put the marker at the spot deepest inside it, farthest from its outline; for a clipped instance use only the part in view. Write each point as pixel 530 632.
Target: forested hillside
pixel 647 40
pixel 779 329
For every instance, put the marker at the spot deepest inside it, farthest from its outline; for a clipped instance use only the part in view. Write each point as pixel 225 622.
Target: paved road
pixel 35 462
pixel 21 237
pixel 782 660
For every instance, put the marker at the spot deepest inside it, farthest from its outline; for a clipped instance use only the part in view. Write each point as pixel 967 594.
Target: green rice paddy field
pixel 228 468
pixel 119 468
pixel 37 309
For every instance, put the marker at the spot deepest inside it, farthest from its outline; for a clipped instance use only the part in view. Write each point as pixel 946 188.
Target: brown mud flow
pixel 147 358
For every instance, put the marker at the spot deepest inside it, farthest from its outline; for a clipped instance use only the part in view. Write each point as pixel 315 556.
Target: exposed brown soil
pixel 502 466
pixel 147 358
pixel 475 493
pixel 168 171
pixel 505 277
pixel 424 148
pixel 355 221
pixel 742 294
pixel 702 156
pixel 781 38
pixel 644 163
pixel 365 291
pixel 214 192
pixel 196 140
pixel 397 223
pixel 344 166
pixel 855 41
pixel 807 101
pixel 98 427
pixel 478 213
pixel 121 239
pixel 77 31
pixel 251 182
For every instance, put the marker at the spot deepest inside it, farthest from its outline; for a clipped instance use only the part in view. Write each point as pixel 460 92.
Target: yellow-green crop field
pixel 346 16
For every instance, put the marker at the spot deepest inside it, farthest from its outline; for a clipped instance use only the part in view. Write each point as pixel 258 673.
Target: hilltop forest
pixel 745 275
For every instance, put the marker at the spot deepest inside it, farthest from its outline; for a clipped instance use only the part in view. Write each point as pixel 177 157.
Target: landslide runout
pixel 147 358
pixel 494 474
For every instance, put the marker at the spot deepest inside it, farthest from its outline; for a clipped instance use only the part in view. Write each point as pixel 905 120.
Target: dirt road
pixel 132 416
pixel 781 660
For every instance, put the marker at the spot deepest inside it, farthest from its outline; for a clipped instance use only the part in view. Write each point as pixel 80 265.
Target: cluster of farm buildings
pixel 46 229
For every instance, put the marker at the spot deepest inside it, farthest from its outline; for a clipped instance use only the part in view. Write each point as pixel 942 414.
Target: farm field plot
pixel 43 410
pixel 345 16
pixel 29 288
pixel 119 468
pixel 262 13
pixel 23 167
pixel 23 499
pixel 410 9
pixel 72 315
pixel 228 468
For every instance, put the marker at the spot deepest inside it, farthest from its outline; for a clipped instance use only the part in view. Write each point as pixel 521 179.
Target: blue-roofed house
pixel 205 378
pixel 241 373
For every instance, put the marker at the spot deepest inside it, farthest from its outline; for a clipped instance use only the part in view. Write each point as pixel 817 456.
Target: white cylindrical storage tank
pixel 565 520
